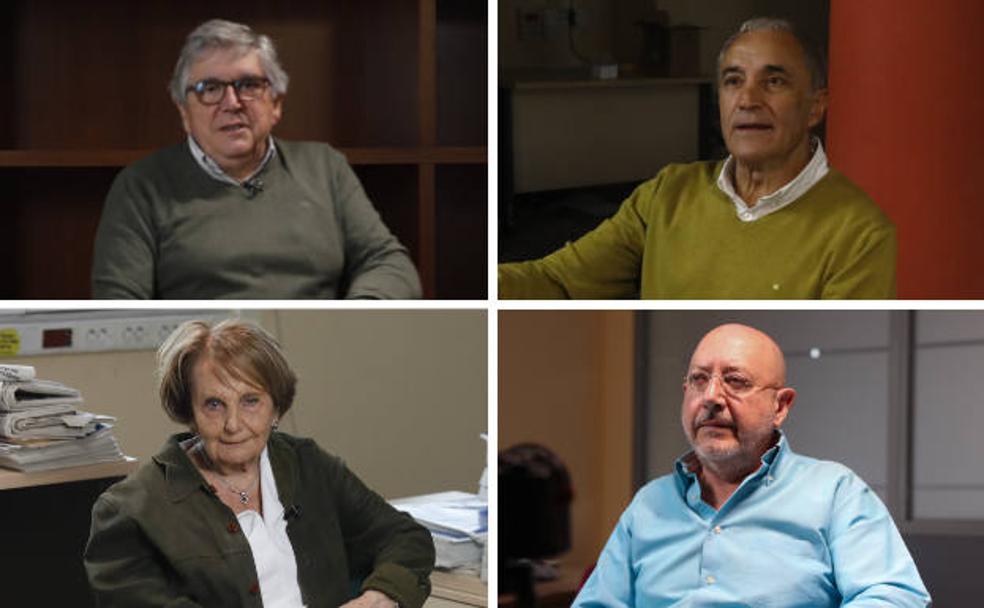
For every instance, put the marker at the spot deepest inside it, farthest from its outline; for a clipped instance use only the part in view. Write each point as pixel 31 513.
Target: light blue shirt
pixel 798 532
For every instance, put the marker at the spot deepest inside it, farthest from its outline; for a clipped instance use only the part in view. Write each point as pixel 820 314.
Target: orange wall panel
pixel 906 123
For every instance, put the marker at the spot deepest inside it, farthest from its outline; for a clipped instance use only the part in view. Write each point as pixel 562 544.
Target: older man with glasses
pixel 772 221
pixel 743 520
pixel 235 213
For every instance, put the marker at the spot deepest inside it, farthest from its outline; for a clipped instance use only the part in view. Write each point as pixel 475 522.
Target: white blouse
pixel 273 554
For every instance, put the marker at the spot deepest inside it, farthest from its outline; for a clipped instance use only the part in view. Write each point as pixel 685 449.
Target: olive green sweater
pixel 678 236
pixel 169 230
pixel 161 537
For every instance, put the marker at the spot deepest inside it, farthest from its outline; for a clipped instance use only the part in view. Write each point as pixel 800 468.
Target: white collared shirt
pixel 273 555
pixel 215 171
pixel 812 173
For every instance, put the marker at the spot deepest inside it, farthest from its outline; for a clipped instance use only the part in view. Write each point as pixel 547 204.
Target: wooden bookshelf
pixel 360 156
pixel 398 85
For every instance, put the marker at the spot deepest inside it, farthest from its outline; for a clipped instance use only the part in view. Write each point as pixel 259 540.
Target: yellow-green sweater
pixel 677 236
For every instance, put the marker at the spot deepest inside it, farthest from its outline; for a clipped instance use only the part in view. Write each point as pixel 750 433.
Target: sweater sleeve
pixel 125 247
pixel 395 552
pixel 121 564
pixel 606 263
pixel 868 269
pixel 377 266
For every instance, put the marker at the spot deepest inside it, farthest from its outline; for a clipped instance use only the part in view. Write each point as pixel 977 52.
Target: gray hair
pixel 222 34
pixel 814 59
pixel 241 350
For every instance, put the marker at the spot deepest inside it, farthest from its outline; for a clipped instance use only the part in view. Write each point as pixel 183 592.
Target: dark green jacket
pixel 162 538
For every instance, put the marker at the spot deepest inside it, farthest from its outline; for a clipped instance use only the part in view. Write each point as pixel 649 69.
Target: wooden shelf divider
pixel 445 155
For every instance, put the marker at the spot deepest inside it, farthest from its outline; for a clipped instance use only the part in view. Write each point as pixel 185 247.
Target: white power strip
pixel 78 335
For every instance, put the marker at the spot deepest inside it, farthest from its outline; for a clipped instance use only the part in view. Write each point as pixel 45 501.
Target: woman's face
pixel 233 418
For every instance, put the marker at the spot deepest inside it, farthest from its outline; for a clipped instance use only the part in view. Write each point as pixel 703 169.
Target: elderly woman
pixel 233 212
pixel 235 513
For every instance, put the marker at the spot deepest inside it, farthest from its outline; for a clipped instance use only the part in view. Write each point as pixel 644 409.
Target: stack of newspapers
pixel 458 522
pixel 42 426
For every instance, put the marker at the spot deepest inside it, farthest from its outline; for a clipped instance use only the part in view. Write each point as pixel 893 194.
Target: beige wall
pixel 400 395
pixel 566 381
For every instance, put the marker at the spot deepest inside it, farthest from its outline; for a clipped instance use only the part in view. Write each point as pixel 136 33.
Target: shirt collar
pixel 273 508
pixel 215 171
pixel 812 173
pixel 181 477
pixel 686 466
pixel 284 466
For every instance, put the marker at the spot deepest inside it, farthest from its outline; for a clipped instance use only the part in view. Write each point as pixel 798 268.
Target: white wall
pixel 949 416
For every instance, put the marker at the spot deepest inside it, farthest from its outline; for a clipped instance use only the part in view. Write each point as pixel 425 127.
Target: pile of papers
pixel 42 427
pixel 458 521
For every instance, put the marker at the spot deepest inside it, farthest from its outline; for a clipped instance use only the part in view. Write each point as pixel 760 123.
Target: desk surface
pixel 557 592
pixel 460 589
pixel 10 479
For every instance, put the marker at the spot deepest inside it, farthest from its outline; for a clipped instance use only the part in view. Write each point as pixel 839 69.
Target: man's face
pixel 732 419
pixel 766 99
pixel 233 132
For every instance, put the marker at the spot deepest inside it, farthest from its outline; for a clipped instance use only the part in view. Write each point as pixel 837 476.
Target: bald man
pixel 743 520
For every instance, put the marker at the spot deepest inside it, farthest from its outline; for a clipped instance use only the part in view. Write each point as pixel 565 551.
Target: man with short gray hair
pixel 772 221
pixel 743 520
pixel 233 212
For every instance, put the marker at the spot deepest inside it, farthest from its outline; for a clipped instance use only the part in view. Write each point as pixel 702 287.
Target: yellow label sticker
pixel 9 342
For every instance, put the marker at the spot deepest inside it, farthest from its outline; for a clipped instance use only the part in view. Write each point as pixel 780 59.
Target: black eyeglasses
pixel 211 90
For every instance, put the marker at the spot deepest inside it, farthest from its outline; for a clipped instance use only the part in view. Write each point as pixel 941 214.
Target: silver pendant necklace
pixel 243 494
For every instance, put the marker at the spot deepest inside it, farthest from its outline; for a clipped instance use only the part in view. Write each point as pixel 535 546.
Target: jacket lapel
pixel 283 461
pixel 180 477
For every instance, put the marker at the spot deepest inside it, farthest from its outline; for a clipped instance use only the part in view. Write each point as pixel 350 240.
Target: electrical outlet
pixel 78 333
pixel 544 23
pixel 530 25
pixel 556 21
pixel 578 18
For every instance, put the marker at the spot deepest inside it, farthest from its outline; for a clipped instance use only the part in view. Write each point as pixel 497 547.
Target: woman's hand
pixel 371 599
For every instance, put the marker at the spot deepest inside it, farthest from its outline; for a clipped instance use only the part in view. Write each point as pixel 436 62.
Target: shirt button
pixel 717 529
pixel 710 580
pixel 233 527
